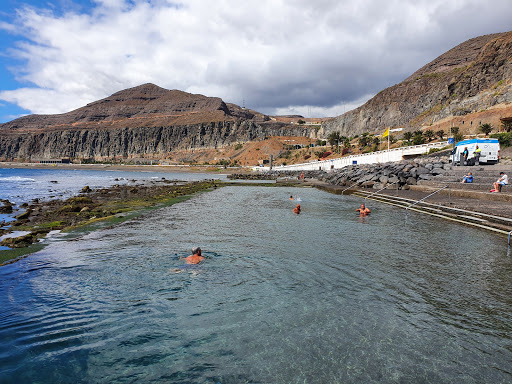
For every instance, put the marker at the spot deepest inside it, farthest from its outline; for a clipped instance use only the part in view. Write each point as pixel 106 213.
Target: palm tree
pixel 429 134
pixel 407 137
pixel 485 128
pixel 334 139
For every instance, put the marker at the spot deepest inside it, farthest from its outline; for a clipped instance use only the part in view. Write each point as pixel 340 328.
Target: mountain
pixel 469 85
pixel 142 121
pixel 466 86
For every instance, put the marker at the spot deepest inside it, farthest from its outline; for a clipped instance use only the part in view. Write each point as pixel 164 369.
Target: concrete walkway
pixel 498 204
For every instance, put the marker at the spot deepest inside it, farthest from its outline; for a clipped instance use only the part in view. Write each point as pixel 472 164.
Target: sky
pixel 313 58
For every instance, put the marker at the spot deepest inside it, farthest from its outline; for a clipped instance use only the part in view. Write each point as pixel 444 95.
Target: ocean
pixel 321 297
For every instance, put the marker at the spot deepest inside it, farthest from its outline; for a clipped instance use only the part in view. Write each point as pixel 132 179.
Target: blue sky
pixel 279 56
pixel 10 65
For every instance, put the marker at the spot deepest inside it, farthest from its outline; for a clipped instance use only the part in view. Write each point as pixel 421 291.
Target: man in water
pixel 195 257
pixel 363 211
pixel 296 209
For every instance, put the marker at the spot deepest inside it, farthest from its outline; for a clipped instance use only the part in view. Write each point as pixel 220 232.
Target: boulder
pixel 368 184
pixel 86 189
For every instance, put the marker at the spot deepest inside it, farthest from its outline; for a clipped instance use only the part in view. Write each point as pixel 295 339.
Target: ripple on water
pixel 319 297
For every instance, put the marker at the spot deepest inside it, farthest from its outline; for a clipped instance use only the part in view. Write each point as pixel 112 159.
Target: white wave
pixel 16 178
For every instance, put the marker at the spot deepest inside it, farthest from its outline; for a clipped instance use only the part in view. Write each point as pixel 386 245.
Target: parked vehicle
pixel 490 151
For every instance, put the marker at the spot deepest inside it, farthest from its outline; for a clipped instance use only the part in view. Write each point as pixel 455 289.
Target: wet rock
pixel 24 215
pixel 86 189
pixel 6 208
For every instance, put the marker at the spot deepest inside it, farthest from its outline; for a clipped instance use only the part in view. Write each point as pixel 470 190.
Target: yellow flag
pixel 385 134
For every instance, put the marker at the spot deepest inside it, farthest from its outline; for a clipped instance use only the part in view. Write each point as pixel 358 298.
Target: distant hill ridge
pixel 145 105
pixel 144 121
pixel 468 84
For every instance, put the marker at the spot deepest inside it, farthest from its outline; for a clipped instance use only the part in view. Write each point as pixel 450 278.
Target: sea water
pixel 22 185
pixel 321 297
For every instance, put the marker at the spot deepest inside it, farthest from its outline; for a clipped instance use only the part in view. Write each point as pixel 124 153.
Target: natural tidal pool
pixel 320 297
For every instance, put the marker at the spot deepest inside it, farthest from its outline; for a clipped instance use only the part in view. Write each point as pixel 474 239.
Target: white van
pixel 490 151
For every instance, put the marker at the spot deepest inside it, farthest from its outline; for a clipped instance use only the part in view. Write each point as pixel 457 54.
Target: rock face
pixel 145 120
pixel 474 76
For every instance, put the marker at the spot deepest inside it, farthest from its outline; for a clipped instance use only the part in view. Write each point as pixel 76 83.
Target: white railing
pixel 395 154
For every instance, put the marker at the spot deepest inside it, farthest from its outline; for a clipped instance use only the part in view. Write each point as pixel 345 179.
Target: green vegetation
pixel 485 128
pixel 407 136
pixel 505 138
pixel 498 84
pixel 429 134
pixel 238 147
pixel 506 126
pixel 458 137
pixel 418 138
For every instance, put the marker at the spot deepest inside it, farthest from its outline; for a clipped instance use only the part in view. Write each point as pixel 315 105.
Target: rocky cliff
pixel 142 121
pixel 455 88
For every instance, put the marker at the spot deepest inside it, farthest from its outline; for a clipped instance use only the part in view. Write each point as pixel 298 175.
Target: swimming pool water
pixel 320 297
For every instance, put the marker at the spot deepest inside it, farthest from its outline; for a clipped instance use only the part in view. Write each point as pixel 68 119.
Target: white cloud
pixel 273 54
pixel 317 111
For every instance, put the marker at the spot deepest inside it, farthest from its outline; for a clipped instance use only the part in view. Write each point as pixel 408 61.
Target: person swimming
pixel 363 211
pixel 195 257
pixel 191 261
pixel 296 209
pixel 291 197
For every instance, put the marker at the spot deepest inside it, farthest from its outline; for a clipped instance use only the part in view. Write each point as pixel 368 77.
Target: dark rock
pixel 24 215
pixel 86 189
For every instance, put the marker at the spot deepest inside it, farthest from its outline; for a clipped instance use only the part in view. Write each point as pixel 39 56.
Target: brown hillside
pixel 472 77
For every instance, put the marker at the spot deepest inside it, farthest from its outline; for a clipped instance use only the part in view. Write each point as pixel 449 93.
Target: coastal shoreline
pixel 208 169
pixel 95 209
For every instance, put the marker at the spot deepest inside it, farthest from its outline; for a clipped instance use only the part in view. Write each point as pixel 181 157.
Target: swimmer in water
pixel 195 257
pixel 296 209
pixel 363 211
pixel 291 197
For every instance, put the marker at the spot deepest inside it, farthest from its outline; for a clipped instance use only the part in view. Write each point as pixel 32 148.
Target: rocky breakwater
pixel 377 176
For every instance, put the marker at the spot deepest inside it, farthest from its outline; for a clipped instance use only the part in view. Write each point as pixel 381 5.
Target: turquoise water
pixel 320 297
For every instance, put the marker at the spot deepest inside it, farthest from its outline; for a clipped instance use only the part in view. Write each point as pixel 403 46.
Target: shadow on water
pixel 324 296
